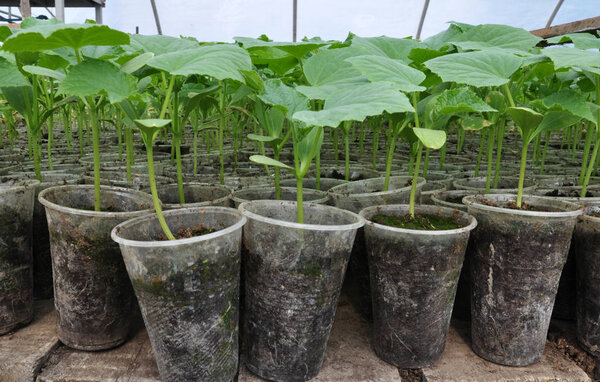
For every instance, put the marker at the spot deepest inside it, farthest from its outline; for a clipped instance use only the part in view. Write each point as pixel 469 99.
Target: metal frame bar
pixel 554 12
pixel 156 19
pixel 422 21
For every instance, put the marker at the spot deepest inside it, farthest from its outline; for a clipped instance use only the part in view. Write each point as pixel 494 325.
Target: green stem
pixel 347 154
pixel 586 152
pixel 335 145
pixel 299 201
pixel 522 174
pixel 546 140
pixel 500 140
pixel 220 133
pixel 36 160
pixel 479 154
pixel 388 160
pixel 426 163
pixel 177 143
pixel 50 125
pixel 413 188
pixel 129 150
pixel 509 95
pixel 277 187
pixel 155 199
pixel 590 167
pixel 490 151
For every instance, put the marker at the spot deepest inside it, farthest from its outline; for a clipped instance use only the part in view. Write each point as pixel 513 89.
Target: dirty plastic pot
pixel 429 189
pixel 325 183
pixel 414 274
pixel 92 293
pixel 268 193
pixel 506 185
pixel 355 196
pixel 16 283
pixel 293 278
pixel 585 250
pixel 517 260
pixel 188 290
pixel 195 194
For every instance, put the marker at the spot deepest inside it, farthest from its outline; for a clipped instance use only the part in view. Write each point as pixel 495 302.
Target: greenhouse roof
pixel 50 3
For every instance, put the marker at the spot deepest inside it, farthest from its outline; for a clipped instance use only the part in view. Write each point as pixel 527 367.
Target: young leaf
pixel 555 120
pixel 480 68
pixel 92 77
pixel 377 68
pixel 136 62
pixel 433 139
pixel 572 101
pixel 526 119
pixel 40 71
pixel 261 159
pixel 253 80
pixel 261 138
pixel 286 98
pixel 221 61
pixel 150 128
pixel 564 57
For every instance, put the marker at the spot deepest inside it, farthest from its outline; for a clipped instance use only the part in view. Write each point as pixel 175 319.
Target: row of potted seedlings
pixel 284 251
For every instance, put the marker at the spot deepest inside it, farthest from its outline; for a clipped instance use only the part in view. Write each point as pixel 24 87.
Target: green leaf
pixel 527 120
pixel 328 71
pixel 10 76
pixel 286 98
pixel 564 57
pixel 555 120
pixel 356 103
pixel 496 36
pixel 137 62
pixel 158 44
pixel 480 68
pixel 102 52
pixel 433 139
pixel 150 128
pixel 396 48
pixel 377 68
pixel 261 138
pixel 261 159
pixel 473 123
pixel 460 100
pixel 52 36
pixel 296 49
pixel 19 98
pixel 5 32
pixel 572 101
pixel 40 71
pixel 308 146
pixel 221 61
pixel 33 22
pixel 443 38
pixel 253 80
pixel 580 40
pixel 92 77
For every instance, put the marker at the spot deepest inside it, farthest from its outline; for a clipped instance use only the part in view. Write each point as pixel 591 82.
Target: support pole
pixel 158 28
pixel 59 5
pixel 99 14
pixel 25 9
pixel 423 14
pixel 554 12
pixel 295 21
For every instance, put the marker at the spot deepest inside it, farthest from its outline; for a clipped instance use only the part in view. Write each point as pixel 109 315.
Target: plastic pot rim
pixel 323 199
pixel 197 204
pixel 420 181
pixel 381 208
pixel 574 209
pixel 114 233
pixel 20 185
pixel 76 211
pixel 303 226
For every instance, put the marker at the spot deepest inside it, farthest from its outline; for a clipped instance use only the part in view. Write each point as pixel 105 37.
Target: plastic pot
pixel 517 260
pixel 325 183
pixel 429 189
pixel 16 284
pixel 268 193
pixel 506 184
pixel 188 290
pixel 293 277
pixel 92 293
pixel 195 194
pixel 585 250
pixel 414 275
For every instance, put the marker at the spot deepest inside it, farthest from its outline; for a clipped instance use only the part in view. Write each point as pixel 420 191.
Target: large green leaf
pixel 443 38
pixel 41 71
pixel 480 68
pixel 296 49
pixel 92 77
pixel 20 99
pixel 572 101
pixel 52 36
pixel 564 57
pixel 136 62
pixel 497 36
pixel 286 98
pixel 356 103
pixel 158 44
pixel 555 120
pixel 223 61
pixel 433 139
pixel 377 68
pixel 5 32
pixel 10 76
pixel 580 40
pixel 328 71
pixel 460 100
pixel 396 48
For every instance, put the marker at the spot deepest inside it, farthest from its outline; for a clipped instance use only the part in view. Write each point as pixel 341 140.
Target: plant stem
pixel 318 171
pixel 177 144
pixel 155 199
pixel 546 140
pixel 347 153
pixel 413 189
pixel 490 151
pixel 522 174
pixel 500 139
pixel 129 150
pixel 586 152
pixel 426 163
pixel 299 201
pixel 335 145
pixel 220 133
pixel 481 145
pixel 388 160
pixel 96 147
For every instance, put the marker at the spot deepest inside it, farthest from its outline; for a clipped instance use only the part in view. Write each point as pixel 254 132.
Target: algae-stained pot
pixel 188 289
pixel 518 257
pixel 195 195
pixel 585 248
pixel 293 278
pixel 414 274
pixel 92 293
pixel 16 284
